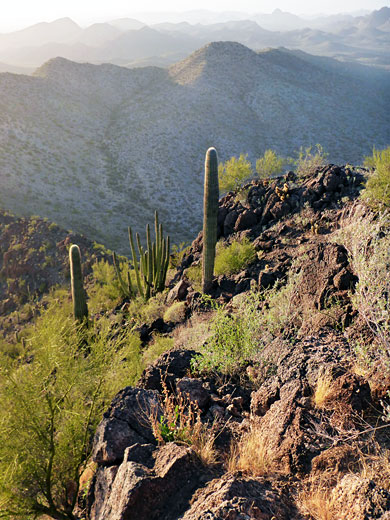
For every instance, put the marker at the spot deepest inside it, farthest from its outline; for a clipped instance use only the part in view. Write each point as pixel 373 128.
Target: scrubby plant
pixel 210 217
pixel 270 164
pixel 310 159
pixel 377 191
pixel 176 312
pixel 234 339
pixel 367 238
pixel 158 346
pixel 234 257
pixel 80 308
pixel 50 407
pixel 234 172
pixel 250 454
pixel 194 275
pixel 179 420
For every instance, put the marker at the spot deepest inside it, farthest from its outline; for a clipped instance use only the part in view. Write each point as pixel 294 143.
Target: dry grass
pixel 324 391
pixel 316 496
pixel 250 455
pixel 376 467
pixel 194 332
pixel 315 499
pixel 179 420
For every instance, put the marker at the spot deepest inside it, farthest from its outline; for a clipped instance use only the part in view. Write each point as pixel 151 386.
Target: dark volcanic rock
pixel 359 498
pixel 240 498
pixel 168 367
pixel 194 391
pixel 125 423
pixel 156 487
pixel 245 220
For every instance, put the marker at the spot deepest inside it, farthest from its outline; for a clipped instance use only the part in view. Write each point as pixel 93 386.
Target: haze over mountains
pixel 130 42
pixel 98 147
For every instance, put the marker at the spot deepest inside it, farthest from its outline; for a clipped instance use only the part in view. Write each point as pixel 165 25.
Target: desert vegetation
pixel 266 374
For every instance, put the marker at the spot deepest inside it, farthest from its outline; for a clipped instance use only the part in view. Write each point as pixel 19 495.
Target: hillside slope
pixel 98 148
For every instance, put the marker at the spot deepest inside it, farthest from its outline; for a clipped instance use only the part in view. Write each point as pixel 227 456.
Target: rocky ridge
pixel 138 478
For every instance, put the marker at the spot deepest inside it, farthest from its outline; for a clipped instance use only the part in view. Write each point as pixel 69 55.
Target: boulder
pixel 239 498
pixel 124 424
pixel 193 390
pixel 360 498
pixel 150 484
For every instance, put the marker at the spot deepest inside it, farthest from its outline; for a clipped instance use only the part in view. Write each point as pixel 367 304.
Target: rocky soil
pixel 315 454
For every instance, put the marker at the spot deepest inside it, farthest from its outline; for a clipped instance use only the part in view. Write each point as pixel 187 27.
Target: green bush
pixel 377 192
pixel 367 238
pixel 310 159
pixel 269 165
pixel 234 172
pixel 159 345
pixel 194 275
pixel 233 258
pixel 176 312
pixel 233 340
pixel 50 407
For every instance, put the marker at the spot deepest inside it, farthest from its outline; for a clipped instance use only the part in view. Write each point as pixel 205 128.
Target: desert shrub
pixel 269 165
pixel 146 312
pixel 106 291
pixel 310 159
pixel 50 407
pixel 194 275
pixel 176 312
pixel 159 345
pixel 234 172
pixel 367 238
pixel 377 192
pixel 234 257
pixel 177 254
pixel 234 338
pixel 250 454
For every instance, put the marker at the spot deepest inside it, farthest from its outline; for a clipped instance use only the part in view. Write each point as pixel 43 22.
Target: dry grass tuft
pixel 315 499
pixel 324 391
pixel 251 455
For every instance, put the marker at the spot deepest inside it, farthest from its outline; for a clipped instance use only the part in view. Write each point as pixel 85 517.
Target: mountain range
pixel 130 42
pixel 99 147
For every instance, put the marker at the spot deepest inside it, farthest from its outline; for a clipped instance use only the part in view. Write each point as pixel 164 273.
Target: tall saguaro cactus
pixel 210 217
pixel 80 308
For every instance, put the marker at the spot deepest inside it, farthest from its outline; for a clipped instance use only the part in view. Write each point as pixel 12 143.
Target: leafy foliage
pixel 310 159
pixel 269 164
pixel 233 258
pixel 234 172
pixel 50 404
pixel 234 338
pixel 377 192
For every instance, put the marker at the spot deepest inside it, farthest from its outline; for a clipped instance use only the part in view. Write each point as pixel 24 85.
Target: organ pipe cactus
pixel 151 269
pixel 210 217
pixel 80 308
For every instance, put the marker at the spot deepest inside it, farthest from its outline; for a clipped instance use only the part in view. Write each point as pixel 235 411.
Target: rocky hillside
pixel 33 260
pixel 98 148
pixel 299 426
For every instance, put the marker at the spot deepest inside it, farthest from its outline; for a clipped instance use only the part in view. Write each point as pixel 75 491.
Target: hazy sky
pixel 16 14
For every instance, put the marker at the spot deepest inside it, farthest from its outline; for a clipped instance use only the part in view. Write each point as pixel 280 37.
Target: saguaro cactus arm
pixel 210 217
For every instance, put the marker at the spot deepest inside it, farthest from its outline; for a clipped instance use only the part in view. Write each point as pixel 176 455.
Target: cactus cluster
pixel 151 270
pixel 210 218
pixel 80 307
